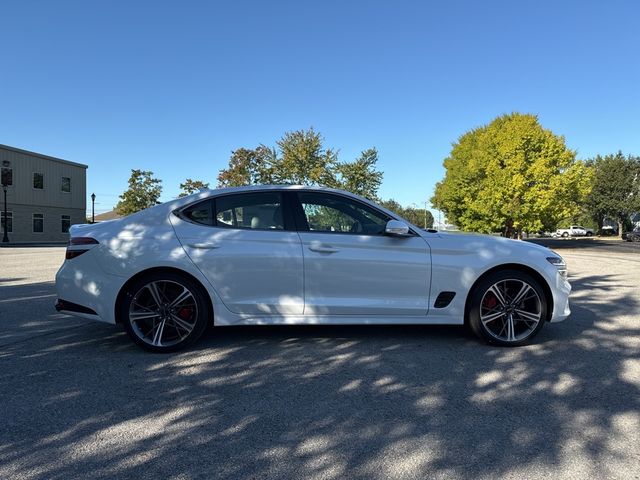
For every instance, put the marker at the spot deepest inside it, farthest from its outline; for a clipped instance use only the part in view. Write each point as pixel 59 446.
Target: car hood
pixel 478 242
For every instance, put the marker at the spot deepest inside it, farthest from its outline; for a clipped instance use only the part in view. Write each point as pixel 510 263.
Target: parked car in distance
pixel 268 255
pixel 609 231
pixel 573 231
pixel 632 236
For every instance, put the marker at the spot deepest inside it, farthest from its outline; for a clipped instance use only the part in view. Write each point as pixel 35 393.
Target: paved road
pixel 78 400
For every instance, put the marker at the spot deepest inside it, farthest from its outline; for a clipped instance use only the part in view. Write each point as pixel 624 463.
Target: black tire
pixel 565 235
pixel 589 234
pixel 510 280
pixel 176 338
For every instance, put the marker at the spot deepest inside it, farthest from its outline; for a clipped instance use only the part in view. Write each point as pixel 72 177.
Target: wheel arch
pixel 518 267
pixel 148 271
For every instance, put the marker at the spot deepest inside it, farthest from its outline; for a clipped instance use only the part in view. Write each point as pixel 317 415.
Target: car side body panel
pixel 148 240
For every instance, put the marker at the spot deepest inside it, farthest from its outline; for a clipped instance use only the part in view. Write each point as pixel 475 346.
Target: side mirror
pixel 396 228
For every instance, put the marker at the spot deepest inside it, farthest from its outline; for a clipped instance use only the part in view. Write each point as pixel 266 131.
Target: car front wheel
pixel 164 312
pixel 507 308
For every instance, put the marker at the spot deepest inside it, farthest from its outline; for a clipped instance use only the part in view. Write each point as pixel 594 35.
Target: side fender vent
pixel 444 299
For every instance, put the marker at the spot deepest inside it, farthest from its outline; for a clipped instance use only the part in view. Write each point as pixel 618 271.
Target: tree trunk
pixel 620 228
pixel 600 222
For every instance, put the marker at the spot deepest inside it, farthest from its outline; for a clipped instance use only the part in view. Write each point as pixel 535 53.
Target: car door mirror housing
pixel 396 228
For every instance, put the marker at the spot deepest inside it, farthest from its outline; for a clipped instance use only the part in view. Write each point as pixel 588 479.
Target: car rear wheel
pixel 164 312
pixel 565 235
pixel 507 308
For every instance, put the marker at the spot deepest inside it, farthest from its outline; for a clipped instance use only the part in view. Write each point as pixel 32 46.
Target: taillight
pixel 83 241
pixel 77 241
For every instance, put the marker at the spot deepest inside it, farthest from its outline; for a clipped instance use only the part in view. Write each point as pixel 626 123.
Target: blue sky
pixel 174 87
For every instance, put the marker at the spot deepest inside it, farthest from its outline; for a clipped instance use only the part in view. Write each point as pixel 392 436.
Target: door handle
pixel 322 248
pixel 203 246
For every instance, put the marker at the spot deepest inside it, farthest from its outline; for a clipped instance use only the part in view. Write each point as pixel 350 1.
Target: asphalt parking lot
pixel 79 400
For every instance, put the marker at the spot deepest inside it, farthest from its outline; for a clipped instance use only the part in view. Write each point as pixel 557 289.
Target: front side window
pixel 65 223
pixel 66 184
pixel 9 222
pixel 38 181
pixel 260 211
pixel 38 223
pixel 335 214
pixel 6 176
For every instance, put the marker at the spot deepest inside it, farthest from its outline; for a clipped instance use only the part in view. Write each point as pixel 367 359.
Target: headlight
pixel 560 265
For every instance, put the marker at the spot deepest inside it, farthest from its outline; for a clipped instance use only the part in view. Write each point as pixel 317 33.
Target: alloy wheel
pixel 163 313
pixel 510 310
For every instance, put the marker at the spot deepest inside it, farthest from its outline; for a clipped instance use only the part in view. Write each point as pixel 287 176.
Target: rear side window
pixel 201 212
pixel 259 211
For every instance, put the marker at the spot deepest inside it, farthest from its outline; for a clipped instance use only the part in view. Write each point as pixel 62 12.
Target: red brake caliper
pixel 490 302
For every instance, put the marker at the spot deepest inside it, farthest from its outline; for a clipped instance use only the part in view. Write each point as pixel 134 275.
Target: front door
pixel 352 268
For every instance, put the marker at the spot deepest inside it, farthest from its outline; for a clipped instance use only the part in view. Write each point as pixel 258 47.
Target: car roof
pixel 257 188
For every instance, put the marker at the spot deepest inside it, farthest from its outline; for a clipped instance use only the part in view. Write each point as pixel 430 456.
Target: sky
pixel 175 86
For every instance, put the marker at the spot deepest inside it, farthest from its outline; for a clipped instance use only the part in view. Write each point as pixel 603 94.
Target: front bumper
pixel 560 291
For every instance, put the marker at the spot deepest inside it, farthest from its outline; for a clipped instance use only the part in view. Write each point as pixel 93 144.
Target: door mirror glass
pixel 396 228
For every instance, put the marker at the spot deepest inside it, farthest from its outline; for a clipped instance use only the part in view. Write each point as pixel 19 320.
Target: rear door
pixel 352 267
pixel 246 246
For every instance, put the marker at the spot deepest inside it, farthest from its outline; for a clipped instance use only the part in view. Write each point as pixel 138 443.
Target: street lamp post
pixel 93 208
pixel 425 214
pixel 5 237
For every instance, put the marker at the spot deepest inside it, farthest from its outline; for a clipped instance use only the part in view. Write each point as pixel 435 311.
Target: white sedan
pixel 272 255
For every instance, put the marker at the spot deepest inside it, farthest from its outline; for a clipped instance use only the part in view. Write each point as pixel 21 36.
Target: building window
pixel 38 181
pixel 38 223
pixel 6 176
pixel 9 222
pixel 65 223
pixel 66 184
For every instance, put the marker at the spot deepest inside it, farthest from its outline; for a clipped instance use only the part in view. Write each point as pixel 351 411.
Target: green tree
pixel 143 192
pixel 392 205
pixel 301 158
pixel 511 176
pixel 418 216
pixel 191 186
pixel 360 176
pixel 304 160
pixel 616 188
pixel 249 167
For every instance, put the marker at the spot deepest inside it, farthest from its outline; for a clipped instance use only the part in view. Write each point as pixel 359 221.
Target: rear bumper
pixel 84 290
pixel 70 308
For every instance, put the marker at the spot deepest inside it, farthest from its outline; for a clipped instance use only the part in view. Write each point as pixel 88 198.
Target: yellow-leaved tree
pixel 511 176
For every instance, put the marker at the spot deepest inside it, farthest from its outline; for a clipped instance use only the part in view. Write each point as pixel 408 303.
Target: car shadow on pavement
pixel 327 402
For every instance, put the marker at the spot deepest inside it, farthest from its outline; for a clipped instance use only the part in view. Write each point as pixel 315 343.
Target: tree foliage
pixel 143 192
pixel 616 188
pixel 511 176
pixel 249 167
pixel 420 217
pixel 302 159
pixel 191 186
pixel 360 176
